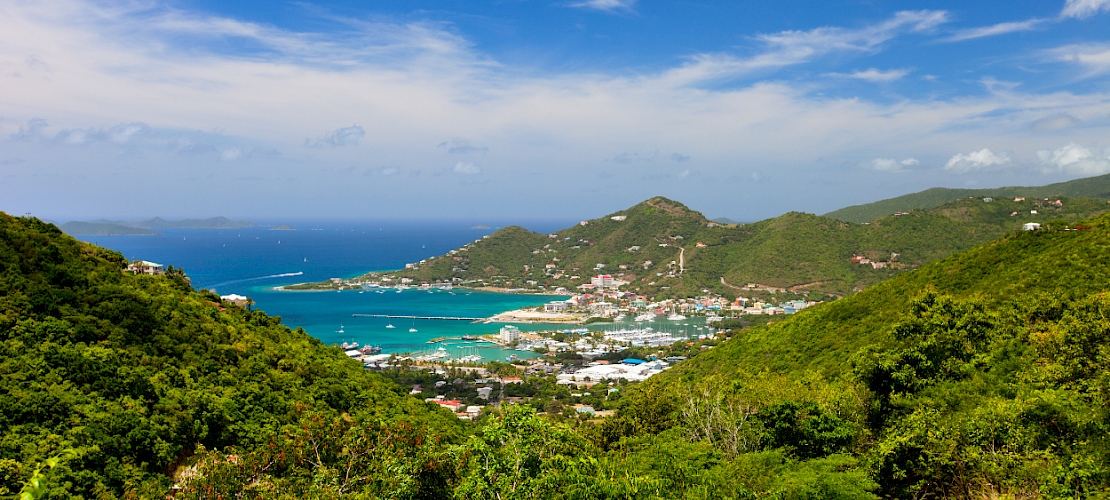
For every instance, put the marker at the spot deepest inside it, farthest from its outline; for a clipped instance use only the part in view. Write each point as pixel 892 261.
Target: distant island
pixel 283 227
pixel 76 228
pixel 480 226
pixel 160 223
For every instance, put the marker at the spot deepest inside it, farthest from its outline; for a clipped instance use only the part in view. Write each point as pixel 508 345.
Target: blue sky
pixel 538 109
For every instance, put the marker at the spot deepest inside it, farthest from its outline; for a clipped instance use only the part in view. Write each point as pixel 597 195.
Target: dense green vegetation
pixel 981 375
pixel 668 250
pixel 1090 187
pixel 76 228
pixel 139 374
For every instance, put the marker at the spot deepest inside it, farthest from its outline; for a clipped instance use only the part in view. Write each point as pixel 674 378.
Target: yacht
pixel 676 317
pixel 389 325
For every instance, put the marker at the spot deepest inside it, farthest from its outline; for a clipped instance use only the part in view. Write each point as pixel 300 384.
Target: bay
pixel 254 261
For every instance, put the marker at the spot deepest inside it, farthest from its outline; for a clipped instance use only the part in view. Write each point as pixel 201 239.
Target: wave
pixel 282 275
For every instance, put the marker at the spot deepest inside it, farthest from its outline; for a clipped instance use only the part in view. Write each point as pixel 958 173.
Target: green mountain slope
pixel 1091 187
pixel 667 249
pixel 140 375
pixel 982 374
pixel 75 228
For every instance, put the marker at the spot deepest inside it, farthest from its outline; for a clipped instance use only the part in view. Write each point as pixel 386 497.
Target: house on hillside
pixel 146 267
pixel 1030 226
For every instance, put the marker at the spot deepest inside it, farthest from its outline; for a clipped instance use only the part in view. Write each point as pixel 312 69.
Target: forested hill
pixel 662 247
pixel 138 375
pixel 1090 187
pixel 983 375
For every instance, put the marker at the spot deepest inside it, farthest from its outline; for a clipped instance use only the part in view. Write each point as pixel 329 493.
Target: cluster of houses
pixel 864 261
pixel 632 370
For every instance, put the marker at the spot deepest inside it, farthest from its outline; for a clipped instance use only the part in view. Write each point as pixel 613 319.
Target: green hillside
pixel 669 250
pixel 983 375
pixel 1091 187
pixel 139 377
pixel 75 228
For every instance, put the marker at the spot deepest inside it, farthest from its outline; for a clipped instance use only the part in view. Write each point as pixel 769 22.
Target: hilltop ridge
pixel 1089 187
pixel 662 247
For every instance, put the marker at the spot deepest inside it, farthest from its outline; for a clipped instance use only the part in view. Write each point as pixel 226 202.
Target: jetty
pixel 396 316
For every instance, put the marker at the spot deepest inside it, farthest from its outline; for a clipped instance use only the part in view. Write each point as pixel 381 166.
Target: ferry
pixel 349 345
pixel 371 349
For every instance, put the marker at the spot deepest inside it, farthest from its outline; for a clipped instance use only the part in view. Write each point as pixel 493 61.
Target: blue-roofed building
pixel 632 361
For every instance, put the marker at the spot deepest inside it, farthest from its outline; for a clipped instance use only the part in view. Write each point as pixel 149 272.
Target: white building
pixel 509 333
pixel 602 281
pixel 145 267
pixel 1030 226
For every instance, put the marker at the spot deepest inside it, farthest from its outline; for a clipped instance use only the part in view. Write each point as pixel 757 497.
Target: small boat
pixel 412 330
pixel 349 345
pixel 676 317
pixel 389 325
pixel 340 330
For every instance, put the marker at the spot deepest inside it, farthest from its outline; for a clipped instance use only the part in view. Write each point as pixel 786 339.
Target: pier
pixel 395 316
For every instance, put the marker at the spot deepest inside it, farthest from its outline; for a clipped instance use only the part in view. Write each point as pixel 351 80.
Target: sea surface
pixel 255 261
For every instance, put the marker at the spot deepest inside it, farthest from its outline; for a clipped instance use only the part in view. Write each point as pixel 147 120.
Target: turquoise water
pixel 254 261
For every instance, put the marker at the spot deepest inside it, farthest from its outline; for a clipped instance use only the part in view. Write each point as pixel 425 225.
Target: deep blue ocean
pixel 254 261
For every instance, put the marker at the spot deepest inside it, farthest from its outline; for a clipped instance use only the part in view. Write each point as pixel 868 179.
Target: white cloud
pixel 795 47
pixel 684 174
pixel 1055 121
pixel 977 161
pixel 416 85
pixel 231 154
pixel 606 5
pixel 1095 58
pixel 1075 160
pixel 460 146
pixel 467 168
pixel 339 137
pixel 892 165
pixel 995 30
pixel 1084 8
pixel 875 76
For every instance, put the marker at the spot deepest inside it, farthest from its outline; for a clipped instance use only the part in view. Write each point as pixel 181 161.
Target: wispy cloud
pixel 1056 121
pixel 467 168
pixel 461 146
pixel 346 136
pixel 874 76
pixel 1084 8
pixel 995 30
pixel 1094 58
pixel 606 5
pixel 795 47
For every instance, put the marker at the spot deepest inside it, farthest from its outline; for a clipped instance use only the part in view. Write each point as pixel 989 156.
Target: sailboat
pixel 389 325
pixel 413 329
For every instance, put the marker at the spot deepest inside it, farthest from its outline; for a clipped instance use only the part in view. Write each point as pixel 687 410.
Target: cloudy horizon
pixel 534 110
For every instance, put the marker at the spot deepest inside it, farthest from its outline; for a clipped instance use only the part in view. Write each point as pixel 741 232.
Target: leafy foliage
pixel 137 373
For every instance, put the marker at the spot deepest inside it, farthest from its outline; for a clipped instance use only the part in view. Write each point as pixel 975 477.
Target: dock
pixel 396 316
